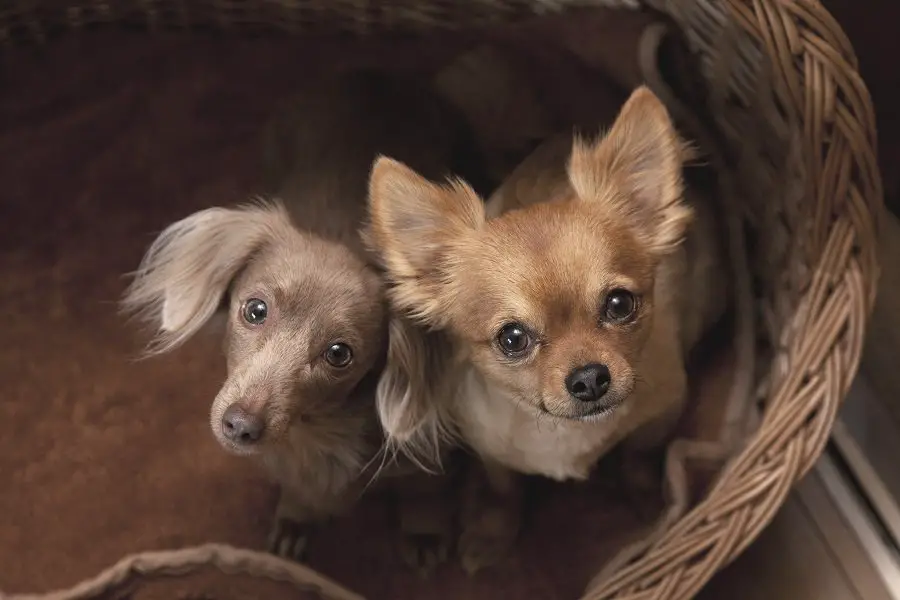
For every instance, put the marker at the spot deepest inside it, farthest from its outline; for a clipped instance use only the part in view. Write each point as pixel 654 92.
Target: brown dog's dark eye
pixel 621 306
pixel 339 355
pixel 255 311
pixel 513 339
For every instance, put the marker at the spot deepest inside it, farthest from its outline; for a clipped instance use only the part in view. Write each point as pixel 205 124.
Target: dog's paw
pixel 425 536
pixel 424 552
pixel 289 539
pixel 487 541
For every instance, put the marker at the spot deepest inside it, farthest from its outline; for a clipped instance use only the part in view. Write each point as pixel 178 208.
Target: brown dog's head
pixel 305 323
pixel 552 302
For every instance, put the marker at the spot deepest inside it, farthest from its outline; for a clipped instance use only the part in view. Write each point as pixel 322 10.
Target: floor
pixel 808 553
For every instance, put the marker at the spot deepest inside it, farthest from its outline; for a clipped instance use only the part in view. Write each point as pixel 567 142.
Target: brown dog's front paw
pixel 288 539
pixel 488 540
pixel 423 552
pixel 425 534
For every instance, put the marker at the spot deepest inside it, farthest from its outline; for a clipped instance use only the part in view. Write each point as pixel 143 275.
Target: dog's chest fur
pixel 321 470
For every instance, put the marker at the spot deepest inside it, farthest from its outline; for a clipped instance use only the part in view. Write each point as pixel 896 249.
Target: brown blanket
pixel 104 140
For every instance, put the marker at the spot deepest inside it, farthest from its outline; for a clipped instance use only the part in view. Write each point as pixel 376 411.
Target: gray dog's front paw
pixel 289 539
pixel 424 552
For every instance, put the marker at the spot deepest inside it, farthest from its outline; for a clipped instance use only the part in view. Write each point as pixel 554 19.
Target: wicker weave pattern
pixel 799 126
pixel 228 559
pixel 34 21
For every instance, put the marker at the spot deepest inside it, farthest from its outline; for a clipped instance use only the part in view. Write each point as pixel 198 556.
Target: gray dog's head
pixel 305 323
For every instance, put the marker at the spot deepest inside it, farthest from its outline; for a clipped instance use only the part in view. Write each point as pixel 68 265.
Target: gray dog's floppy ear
pixel 185 273
pixel 413 396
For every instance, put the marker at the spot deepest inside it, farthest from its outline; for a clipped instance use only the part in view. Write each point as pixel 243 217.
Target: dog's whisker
pixel 375 457
pixel 384 462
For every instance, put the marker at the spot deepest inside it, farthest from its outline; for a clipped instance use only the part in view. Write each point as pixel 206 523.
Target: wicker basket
pixel 799 128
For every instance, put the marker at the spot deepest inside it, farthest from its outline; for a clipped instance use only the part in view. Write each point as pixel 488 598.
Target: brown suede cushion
pixel 105 139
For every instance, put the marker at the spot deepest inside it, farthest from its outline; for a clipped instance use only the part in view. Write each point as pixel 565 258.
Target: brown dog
pixel 306 319
pixel 569 314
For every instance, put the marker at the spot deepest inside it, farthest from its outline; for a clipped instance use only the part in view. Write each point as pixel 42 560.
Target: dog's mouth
pixel 236 448
pixel 584 412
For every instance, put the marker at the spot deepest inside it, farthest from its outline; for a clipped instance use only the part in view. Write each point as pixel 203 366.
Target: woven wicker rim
pixel 789 100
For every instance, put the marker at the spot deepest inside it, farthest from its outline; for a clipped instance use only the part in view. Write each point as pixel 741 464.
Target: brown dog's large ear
pixel 413 394
pixel 187 270
pixel 635 170
pixel 411 222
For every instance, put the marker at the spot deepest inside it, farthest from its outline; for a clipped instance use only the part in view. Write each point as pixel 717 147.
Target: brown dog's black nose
pixel 588 383
pixel 241 426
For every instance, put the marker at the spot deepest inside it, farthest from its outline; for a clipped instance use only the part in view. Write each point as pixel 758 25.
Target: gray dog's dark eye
pixel 513 339
pixel 255 311
pixel 339 355
pixel 620 306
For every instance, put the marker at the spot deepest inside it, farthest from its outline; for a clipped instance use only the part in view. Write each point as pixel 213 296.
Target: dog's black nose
pixel 588 383
pixel 241 426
